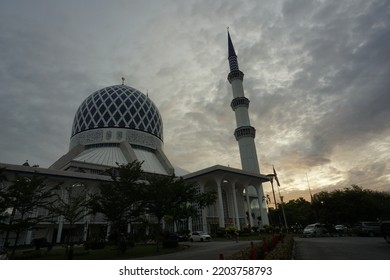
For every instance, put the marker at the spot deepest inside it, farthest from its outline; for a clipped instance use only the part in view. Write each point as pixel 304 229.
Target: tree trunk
pixel 16 242
pixel 158 233
pixel 11 219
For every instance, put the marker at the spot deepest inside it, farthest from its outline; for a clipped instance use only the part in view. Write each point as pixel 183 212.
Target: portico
pixel 239 198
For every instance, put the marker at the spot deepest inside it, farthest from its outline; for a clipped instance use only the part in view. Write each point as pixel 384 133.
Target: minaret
pixel 244 133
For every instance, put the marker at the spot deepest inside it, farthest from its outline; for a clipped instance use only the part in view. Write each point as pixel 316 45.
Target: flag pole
pixel 281 197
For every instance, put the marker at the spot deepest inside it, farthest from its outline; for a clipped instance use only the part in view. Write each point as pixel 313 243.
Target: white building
pixel 119 124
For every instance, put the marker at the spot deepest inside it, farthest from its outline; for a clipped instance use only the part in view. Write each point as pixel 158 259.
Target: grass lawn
pixel 108 253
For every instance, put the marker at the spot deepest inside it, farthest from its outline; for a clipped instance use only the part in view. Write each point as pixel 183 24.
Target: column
pixel 108 231
pixel 263 210
pixel 221 214
pixel 190 224
pixel 60 226
pixel 28 237
pixel 235 207
pixel 204 211
pixel 248 201
pixel 85 233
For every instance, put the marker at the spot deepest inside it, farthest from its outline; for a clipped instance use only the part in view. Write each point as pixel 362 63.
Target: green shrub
pixel 221 232
pixel 267 229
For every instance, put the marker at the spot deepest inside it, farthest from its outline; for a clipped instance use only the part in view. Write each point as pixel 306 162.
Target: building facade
pixel 119 124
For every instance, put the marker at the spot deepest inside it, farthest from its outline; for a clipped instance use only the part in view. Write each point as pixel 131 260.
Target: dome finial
pixel 123 81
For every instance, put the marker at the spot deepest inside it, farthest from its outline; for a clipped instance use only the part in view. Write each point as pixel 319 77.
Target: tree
pixel 298 212
pixel 192 208
pixel 24 197
pixel 351 205
pixel 120 200
pixel 170 195
pixel 73 205
pixel 3 205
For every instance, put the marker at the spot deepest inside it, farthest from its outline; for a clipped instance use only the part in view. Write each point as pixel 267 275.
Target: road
pixel 204 250
pixel 342 248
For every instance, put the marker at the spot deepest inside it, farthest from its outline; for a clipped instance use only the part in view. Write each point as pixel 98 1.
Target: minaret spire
pixel 232 57
pixel 232 52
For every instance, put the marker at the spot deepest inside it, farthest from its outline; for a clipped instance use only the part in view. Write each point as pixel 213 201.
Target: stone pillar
pixel 204 212
pixel 108 231
pixel 85 233
pixel 221 214
pixel 263 210
pixel 235 207
pixel 190 224
pixel 248 202
pixel 28 237
pixel 60 226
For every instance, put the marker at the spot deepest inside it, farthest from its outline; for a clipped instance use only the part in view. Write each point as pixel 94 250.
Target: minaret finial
pixel 123 81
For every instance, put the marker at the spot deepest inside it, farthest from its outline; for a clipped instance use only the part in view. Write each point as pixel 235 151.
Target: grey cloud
pixel 316 73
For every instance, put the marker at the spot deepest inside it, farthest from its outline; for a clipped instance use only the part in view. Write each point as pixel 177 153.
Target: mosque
pixel 119 124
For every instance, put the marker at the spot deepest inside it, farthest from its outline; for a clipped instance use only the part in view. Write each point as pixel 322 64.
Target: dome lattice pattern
pixel 118 106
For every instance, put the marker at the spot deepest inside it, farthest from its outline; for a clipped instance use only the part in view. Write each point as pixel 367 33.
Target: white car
pixel 199 236
pixel 314 229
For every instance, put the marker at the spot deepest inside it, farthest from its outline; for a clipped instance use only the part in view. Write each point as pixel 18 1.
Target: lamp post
pixel 284 215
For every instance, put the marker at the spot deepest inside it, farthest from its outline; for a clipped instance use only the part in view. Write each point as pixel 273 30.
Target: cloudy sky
pixel 317 74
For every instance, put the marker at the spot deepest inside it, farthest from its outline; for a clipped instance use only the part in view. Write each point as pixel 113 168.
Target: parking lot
pixel 204 250
pixel 341 248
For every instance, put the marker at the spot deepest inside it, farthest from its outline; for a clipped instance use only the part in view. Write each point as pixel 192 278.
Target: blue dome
pixel 118 106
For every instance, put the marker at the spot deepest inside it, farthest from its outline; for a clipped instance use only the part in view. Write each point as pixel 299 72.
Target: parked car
pixel 199 236
pixel 385 229
pixel 3 254
pixel 314 229
pixel 368 228
pixel 177 236
pixel 341 228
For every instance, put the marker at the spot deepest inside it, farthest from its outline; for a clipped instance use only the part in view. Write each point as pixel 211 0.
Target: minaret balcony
pixel 239 102
pixel 235 74
pixel 245 131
